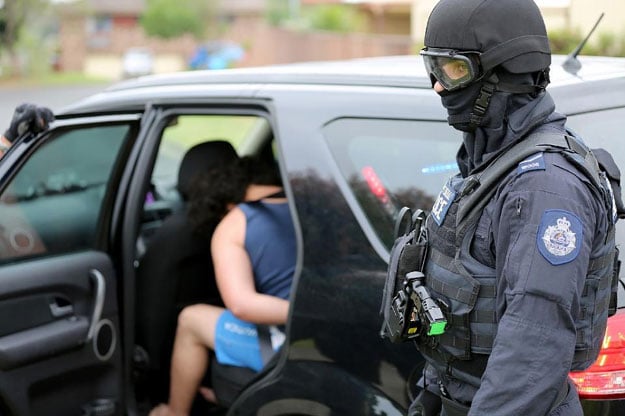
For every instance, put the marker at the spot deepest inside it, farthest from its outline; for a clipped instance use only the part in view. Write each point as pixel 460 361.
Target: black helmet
pixel 507 33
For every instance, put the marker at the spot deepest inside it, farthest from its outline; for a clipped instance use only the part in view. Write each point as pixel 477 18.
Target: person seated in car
pixel 26 118
pixel 254 254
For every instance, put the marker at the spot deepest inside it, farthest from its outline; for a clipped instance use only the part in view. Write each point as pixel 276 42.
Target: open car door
pixel 60 349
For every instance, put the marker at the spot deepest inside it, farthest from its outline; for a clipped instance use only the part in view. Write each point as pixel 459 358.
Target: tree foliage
pixel 336 18
pixel 564 41
pixel 277 12
pixel 169 19
pixel 13 17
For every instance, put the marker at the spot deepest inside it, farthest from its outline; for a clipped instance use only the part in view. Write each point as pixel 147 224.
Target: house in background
pixel 95 34
pixel 410 16
pixel 390 17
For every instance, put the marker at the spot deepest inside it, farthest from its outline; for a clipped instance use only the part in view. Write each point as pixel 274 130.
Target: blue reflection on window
pixel 439 168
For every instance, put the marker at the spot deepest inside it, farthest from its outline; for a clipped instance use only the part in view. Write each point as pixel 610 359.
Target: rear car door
pixel 60 349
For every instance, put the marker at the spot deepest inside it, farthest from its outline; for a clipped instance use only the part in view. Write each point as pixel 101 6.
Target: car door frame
pixel 76 356
pixel 139 183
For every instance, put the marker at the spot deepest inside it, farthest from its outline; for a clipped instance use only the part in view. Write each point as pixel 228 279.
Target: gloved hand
pixel 28 117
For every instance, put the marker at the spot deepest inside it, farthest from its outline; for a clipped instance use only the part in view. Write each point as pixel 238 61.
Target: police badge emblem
pixel 559 236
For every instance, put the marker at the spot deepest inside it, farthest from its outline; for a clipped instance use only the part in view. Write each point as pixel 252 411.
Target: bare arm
pixel 235 278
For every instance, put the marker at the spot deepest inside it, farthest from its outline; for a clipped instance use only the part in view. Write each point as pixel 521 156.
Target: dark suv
pixel 89 289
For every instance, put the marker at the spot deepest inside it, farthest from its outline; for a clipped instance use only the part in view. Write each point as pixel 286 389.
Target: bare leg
pixel 208 394
pixel 195 333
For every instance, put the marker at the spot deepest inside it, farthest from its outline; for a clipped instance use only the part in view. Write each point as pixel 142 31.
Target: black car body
pixel 355 141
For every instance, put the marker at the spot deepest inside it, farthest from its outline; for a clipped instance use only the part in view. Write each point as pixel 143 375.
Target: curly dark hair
pixel 212 192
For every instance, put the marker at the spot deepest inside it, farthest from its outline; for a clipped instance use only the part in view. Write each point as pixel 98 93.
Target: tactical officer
pixel 524 281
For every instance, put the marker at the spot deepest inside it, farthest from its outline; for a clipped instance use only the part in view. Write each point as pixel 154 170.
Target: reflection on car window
pixel 53 203
pixel 389 164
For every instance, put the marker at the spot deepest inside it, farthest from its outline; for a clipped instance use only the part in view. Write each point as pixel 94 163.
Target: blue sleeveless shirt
pixel 270 244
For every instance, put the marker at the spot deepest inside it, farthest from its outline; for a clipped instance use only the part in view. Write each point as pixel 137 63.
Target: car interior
pixel 174 265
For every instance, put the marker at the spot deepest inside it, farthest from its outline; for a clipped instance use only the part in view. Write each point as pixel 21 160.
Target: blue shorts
pixel 236 342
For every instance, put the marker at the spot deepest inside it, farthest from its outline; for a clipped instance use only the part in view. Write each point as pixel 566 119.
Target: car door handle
pixel 60 308
pixel 98 300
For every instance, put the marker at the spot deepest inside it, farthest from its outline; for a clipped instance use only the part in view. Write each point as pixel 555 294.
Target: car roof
pixel 389 71
pixel 398 71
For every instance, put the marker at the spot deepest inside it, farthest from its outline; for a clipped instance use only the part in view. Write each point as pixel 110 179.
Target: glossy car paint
pixel 334 361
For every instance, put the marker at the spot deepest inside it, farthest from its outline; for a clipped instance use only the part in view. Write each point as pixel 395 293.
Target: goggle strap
pixel 483 100
pixel 519 89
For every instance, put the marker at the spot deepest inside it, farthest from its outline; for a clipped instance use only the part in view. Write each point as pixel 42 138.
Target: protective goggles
pixel 452 69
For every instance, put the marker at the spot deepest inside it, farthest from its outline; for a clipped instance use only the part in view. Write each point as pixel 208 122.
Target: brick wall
pixel 263 44
pixel 267 45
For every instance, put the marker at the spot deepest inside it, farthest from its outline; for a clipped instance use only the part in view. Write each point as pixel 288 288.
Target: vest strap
pixel 475 316
pixel 490 175
pixel 464 343
pixel 487 290
pixel 461 295
pixel 600 263
pixel 483 317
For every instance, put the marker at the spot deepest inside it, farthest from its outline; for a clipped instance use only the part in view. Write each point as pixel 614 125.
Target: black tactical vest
pixel 466 289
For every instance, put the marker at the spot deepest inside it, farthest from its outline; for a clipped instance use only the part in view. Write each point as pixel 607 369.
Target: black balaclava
pixel 508 119
pixel 459 105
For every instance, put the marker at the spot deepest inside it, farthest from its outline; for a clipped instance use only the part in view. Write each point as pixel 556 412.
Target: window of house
pixel 100 24
pixel 389 164
pixel 54 202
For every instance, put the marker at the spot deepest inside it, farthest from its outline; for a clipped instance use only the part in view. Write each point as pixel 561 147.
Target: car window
pixel 180 133
pixel 389 164
pixel 185 131
pixel 53 203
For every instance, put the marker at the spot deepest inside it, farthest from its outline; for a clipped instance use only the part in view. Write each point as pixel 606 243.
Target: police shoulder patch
pixel 534 162
pixel 559 237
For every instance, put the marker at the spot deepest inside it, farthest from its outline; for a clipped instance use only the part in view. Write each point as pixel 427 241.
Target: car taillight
pixel 605 379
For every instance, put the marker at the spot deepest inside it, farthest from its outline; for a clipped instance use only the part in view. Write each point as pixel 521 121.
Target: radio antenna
pixel 572 65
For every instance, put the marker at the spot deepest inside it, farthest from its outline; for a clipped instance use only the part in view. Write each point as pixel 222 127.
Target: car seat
pixel 175 271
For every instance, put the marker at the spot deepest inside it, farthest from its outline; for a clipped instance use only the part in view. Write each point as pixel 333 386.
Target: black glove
pixel 28 118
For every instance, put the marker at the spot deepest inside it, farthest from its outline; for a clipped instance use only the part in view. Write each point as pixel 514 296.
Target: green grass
pixel 189 130
pixel 194 129
pixel 53 79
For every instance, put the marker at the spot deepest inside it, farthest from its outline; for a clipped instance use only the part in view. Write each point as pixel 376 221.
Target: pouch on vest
pixel 406 306
pixel 613 175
